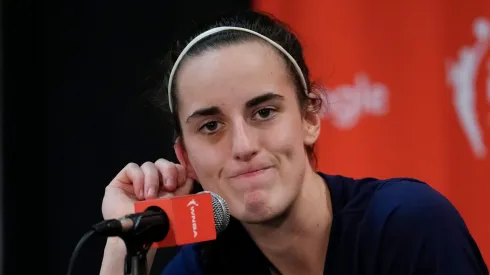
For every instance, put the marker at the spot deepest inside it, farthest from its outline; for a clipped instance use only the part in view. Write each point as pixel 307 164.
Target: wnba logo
pixel 193 204
pixel 462 76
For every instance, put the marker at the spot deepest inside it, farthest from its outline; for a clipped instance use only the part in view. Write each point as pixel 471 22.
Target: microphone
pixel 172 221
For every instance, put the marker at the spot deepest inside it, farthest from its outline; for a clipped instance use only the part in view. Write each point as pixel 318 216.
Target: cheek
pixel 207 162
pixel 286 137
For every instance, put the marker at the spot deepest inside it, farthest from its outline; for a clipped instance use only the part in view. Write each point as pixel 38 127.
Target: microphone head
pixel 221 212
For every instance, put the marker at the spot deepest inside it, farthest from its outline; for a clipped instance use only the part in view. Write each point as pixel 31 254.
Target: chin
pixel 258 208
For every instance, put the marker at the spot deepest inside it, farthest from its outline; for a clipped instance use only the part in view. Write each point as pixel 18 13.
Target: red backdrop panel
pixel 408 92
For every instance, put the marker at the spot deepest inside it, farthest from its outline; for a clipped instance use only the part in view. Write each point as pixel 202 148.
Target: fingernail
pixel 142 194
pixel 168 182
pixel 151 192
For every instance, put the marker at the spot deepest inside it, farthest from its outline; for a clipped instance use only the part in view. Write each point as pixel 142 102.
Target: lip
pixel 249 172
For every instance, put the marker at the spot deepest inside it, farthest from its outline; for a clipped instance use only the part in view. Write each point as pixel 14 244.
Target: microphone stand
pixel 135 261
pixel 148 228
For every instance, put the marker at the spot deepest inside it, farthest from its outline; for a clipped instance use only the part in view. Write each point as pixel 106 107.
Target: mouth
pixel 251 173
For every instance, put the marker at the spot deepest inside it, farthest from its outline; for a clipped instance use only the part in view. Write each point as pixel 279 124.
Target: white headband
pixel 219 29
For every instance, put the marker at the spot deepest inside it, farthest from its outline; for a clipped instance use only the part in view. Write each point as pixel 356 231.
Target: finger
pixel 169 173
pixel 152 180
pixel 133 175
pixel 186 188
pixel 183 190
pixel 181 175
pixel 164 194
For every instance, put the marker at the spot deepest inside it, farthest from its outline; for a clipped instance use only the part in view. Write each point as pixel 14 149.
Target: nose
pixel 244 141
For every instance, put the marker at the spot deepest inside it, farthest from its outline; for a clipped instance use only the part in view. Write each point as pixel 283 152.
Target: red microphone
pixel 172 221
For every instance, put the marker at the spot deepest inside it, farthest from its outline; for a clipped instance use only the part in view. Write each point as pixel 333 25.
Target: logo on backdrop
pixel 462 76
pixel 347 104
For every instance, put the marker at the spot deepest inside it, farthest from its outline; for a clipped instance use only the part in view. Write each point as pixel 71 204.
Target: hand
pixel 148 181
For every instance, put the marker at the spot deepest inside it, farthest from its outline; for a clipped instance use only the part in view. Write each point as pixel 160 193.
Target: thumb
pixel 186 188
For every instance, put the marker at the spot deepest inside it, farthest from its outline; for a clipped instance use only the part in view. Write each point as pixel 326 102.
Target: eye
pixel 264 113
pixel 210 127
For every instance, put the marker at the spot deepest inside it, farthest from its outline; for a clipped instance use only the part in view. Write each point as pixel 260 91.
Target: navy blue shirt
pixel 380 227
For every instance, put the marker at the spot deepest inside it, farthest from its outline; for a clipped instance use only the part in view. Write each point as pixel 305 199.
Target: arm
pixel 425 234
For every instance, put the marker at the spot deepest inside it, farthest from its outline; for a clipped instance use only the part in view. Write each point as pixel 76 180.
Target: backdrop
pixel 73 113
pixel 408 91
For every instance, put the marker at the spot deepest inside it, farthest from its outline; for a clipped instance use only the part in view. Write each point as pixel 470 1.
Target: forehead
pixel 231 74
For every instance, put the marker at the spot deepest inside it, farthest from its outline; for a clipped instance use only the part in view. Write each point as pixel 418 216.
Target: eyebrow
pixel 204 112
pixel 262 98
pixel 210 111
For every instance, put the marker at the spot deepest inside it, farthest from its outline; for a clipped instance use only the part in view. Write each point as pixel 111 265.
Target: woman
pixel 246 121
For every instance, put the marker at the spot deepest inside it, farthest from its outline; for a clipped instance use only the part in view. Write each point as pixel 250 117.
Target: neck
pixel 297 242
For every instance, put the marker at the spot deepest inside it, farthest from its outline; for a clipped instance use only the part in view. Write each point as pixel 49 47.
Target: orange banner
pixel 408 92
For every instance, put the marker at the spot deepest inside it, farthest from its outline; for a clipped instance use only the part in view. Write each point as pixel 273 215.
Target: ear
pixel 311 122
pixel 181 154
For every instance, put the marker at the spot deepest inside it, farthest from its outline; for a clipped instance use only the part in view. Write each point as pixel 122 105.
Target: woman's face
pixel 244 135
